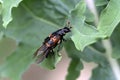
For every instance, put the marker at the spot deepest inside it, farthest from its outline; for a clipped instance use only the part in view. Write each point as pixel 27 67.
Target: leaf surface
pixel 31 24
pixel 109 18
pixel 7 6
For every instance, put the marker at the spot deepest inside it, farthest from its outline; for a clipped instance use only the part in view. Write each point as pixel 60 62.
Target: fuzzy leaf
pixel 89 55
pixel 103 73
pixel 89 17
pixel 99 46
pixel 74 69
pixel 100 2
pixel 109 18
pixel 7 46
pixel 75 65
pixel 7 6
pixel 0 7
pixel 83 34
pixel 32 22
pixel 115 39
pixel 51 61
pixel 17 62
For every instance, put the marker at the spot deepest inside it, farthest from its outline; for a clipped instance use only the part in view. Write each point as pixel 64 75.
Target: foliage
pixel 25 24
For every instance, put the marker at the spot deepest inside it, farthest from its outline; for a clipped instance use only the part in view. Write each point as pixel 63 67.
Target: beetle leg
pixel 59 42
pixel 59 45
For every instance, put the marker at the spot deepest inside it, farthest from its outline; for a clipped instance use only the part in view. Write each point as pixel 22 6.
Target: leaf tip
pixel 6 22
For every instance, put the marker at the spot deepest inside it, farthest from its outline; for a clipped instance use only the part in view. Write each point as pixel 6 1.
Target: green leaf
pixel 70 4
pixel 109 18
pixel 7 46
pixel 100 2
pixel 115 40
pixel 103 73
pixel 89 17
pixel 83 34
pixel 1 35
pixel 0 7
pixel 51 61
pixel 1 1
pixel 92 55
pixel 71 50
pixel 17 62
pixel 7 6
pixel 83 37
pixel 74 69
pixel 28 31
pixel 99 46
pixel 32 22
pixel 75 65
pixel 116 52
pixel 89 54
pixel 52 11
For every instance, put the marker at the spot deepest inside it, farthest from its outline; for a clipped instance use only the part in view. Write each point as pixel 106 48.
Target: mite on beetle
pixel 51 42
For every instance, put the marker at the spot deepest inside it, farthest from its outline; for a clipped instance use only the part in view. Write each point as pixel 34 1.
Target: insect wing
pixel 41 53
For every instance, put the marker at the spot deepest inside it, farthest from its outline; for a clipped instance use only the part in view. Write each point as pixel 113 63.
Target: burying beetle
pixel 51 42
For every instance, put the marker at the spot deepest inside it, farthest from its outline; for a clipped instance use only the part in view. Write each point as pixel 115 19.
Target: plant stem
pixel 91 6
pixel 107 44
